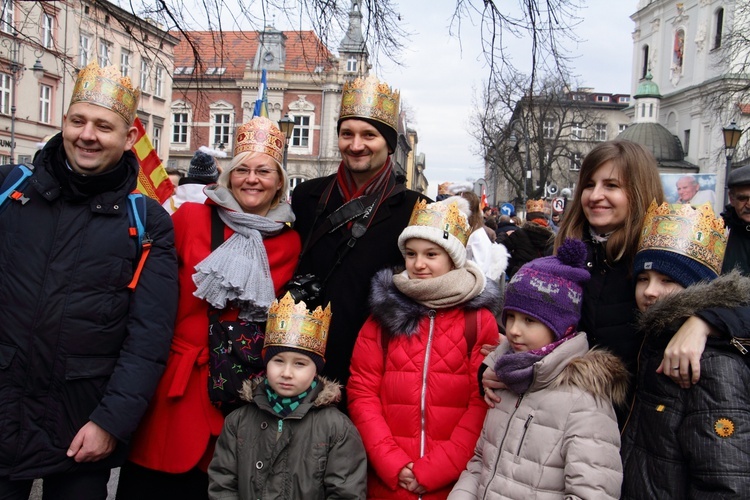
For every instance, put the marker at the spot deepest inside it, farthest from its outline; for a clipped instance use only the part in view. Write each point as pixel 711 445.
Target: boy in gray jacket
pixel 291 441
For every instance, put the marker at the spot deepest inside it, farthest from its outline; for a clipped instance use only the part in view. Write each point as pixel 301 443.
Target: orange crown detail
pixel 370 98
pixel 536 206
pixel 445 217
pixel 105 87
pixel 292 325
pixel 260 135
pixel 695 233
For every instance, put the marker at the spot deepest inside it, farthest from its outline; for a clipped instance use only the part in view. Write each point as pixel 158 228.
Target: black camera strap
pixel 361 210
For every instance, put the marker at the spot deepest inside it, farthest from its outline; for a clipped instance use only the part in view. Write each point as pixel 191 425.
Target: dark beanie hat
pixel 273 350
pixel 550 289
pixel 203 168
pixel 682 269
pixel 388 133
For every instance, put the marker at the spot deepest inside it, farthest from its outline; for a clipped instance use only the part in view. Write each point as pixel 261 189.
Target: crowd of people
pixel 361 340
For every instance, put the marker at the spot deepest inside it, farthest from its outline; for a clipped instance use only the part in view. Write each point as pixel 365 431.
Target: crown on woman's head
pixel 292 325
pixel 260 135
pixel 695 233
pixel 370 98
pixel 446 217
pixel 107 88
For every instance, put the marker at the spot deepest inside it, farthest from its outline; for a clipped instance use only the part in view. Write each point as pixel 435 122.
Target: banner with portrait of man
pixel 695 189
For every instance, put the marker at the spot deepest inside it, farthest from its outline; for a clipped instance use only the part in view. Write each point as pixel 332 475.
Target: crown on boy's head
pixel 694 233
pixel 105 87
pixel 291 325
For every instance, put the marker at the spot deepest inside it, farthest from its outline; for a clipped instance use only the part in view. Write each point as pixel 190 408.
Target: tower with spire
pixel 354 59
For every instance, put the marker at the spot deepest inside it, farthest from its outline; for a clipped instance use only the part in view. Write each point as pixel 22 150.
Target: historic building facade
pixel 42 47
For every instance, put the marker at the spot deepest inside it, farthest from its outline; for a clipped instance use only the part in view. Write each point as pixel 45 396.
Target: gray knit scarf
pixel 451 289
pixel 237 272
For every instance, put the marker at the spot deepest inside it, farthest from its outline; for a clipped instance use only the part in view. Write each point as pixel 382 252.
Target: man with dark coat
pixel 737 218
pixel 82 344
pixel 367 134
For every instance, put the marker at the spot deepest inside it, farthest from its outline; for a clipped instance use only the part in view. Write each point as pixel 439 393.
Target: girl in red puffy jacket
pixel 413 393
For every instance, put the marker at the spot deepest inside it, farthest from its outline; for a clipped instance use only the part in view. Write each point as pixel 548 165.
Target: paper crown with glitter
pixel 291 325
pixel 260 135
pixel 683 242
pixel 105 87
pixel 370 98
pixel 444 223
pixel 536 206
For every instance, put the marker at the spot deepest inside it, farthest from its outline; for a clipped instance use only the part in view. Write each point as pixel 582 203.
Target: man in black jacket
pixel 82 343
pixel 336 254
pixel 737 218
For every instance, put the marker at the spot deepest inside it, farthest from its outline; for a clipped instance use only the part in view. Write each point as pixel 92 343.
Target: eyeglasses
pixel 261 173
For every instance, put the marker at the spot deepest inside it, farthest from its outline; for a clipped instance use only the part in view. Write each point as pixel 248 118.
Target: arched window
pixel 644 68
pixel 678 51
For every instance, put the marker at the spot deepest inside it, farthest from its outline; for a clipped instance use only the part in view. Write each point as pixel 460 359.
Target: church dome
pixel 665 146
pixel 647 88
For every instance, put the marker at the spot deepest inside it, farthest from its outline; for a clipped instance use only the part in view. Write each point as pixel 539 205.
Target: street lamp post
pixel 16 69
pixel 286 125
pixel 527 165
pixel 732 134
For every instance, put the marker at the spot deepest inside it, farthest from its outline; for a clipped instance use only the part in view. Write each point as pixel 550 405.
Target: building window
pixel 45 103
pixel 48 35
pixel 576 131
pixel 125 62
pixel 156 140
pixel 548 129
pixel 351 65
pixel 718 27
pixel 623 99
pixel 678 50
pixel 600 132
pixel 222 129
pixel 644 66
pixel 301 133
pixel 602 98
pixel 294 182
pixel 104 53
pixel 579 97
pixel 687 142
pixel 650 110
pixel 84 50
pixel 621 127
pixel 145 70
pixel 575 162
pixel 159 81
pixel 5 93
pixel 7 18
pixel 179 128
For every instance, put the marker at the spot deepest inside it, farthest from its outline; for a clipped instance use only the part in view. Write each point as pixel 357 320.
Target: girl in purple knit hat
pixel 554 430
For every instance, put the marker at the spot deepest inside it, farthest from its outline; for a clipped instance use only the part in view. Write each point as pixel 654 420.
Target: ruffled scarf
pixel 516 369
pixel 237 272
pixel 449 290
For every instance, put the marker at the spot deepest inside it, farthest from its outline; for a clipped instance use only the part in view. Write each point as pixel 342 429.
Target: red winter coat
pixel 177 429
pixel 385 400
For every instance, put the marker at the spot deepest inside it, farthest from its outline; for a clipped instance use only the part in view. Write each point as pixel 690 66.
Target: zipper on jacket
pixel 523 436
pixel 740 344
pixel 423 396
pixel 502 442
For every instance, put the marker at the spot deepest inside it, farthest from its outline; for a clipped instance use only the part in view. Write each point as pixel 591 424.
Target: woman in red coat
pixel 413 394
pixel 175 441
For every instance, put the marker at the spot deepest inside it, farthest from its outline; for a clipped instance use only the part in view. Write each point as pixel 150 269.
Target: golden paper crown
pixel 536 206
pixel 372 99
pixel 107 88
pixel 292 325
pixel 695 233
pixel 260 135
pixel 445 217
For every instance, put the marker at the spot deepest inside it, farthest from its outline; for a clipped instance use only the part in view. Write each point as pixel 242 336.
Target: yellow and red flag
pixel 153 180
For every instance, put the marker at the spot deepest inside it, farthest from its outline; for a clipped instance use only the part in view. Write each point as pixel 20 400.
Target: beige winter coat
pixel 559 439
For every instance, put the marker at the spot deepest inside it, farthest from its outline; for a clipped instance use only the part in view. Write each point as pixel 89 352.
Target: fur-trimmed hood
pixel 728 291
pixel 596 371
pixel 400 315
pixel 327 393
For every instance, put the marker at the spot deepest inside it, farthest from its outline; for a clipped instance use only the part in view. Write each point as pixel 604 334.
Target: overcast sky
pixel 441 76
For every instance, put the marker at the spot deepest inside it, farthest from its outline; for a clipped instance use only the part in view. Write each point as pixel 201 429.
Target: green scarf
pixel 284 406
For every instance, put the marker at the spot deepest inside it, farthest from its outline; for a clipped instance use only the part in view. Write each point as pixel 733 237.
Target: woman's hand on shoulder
pixel 681 361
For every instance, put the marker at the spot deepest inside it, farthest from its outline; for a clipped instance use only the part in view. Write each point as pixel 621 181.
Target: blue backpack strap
pixel 14 184
pixel 137 218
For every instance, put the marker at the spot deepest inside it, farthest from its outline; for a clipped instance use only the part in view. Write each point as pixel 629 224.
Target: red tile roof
pixel 233 49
